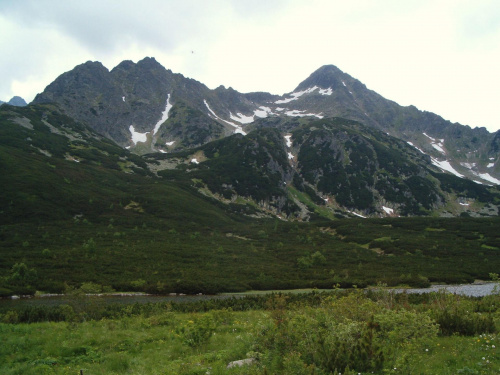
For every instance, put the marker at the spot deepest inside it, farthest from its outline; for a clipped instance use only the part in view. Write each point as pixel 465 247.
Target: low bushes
pixel 346 332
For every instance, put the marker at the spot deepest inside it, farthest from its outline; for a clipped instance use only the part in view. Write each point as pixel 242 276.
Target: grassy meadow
pixel 348 332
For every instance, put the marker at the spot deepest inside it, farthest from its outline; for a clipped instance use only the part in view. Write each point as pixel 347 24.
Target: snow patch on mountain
pixel 290 156
pixel 468 165
pixel 439 147
pixel 123 98
pixel 210 109
pixel 170 143
pixel 354 213
pixel 195 161
pixel 411 144
pixel 283 101
pixel 288 140
pixel 428 136
pixel 433 139
pixel 388 210
pixel 136 136
pixel 263 112
pixel 296 95
pixel 164 115
pixel 490 165
pixel 241 118
pixel 327 91
pixel 446 166
pixel 438 144
pixel 297 113
pixel 239 129
pixel 484 176
pixel 489 178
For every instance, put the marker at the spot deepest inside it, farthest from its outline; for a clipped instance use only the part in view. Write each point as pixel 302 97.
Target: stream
pixel 473 290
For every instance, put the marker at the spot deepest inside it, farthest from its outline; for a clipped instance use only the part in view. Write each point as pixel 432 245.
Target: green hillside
pixel 77 209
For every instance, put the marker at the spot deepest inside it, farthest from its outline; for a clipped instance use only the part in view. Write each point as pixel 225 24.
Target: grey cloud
pixel 482 20
pixel 259 8
pixel 105 26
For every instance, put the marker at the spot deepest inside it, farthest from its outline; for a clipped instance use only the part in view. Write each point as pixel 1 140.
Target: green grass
pixel 289 334
pixel 462 355
pixel 139 345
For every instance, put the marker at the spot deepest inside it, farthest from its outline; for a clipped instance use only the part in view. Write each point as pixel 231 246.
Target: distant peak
pixel 125 64
pixel 17 101
pixel 91 66
pixel 148 59
pixel 327 76
pixel 328 68
pixel 150 62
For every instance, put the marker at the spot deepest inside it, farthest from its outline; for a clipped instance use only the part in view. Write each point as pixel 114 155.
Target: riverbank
pixel 103 299
pixel 469 290
pixel 299 333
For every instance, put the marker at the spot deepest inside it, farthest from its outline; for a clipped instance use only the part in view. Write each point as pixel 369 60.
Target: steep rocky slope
pixel 146 108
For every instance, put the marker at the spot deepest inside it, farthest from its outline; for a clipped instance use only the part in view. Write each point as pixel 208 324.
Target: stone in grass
pixel 242 362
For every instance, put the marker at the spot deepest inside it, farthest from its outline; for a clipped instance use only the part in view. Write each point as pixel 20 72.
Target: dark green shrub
pixel 464 323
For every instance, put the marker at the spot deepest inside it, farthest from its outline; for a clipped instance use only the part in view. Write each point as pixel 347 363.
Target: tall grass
pixel 320 333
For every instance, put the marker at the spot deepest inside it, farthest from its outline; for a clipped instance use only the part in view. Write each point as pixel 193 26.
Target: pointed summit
pixel 77 81
pixel 17 101
pixel 328 76
pixel 150 63
pixel 124 65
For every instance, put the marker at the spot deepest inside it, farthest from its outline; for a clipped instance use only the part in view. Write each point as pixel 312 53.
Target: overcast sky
pixel 442 56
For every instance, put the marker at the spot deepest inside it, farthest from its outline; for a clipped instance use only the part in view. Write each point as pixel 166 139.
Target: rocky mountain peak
pixel 124 65
pixel 90 68
pixel 150 63
pixel 17 101
pixel 87 75
pixel 136 98
pixel 328 76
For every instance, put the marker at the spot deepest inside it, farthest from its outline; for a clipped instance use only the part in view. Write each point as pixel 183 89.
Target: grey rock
pixel 242 362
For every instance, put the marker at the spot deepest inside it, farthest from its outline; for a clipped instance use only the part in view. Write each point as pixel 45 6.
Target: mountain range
pixel 331 148
pixel 142 179
pixel 144 101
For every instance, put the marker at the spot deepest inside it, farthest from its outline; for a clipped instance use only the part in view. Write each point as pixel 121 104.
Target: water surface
pixel 472 290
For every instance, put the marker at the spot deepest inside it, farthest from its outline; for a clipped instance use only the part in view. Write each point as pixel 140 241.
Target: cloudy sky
pixel 442 56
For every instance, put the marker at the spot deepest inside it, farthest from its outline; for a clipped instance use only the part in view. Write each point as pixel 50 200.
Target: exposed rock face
pixel 109 102
pixel 17 101
pixel 134 98
pixel 136 95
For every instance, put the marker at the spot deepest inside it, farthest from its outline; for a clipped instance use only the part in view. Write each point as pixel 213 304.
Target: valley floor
pixel 313 333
